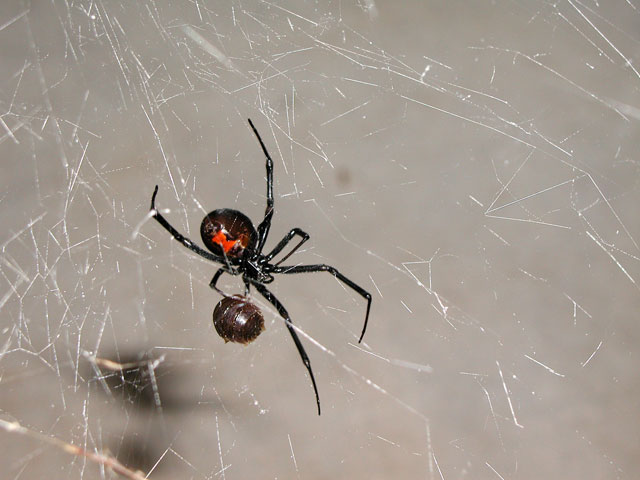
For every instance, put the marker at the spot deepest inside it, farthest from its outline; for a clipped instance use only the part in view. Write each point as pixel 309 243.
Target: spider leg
pixel 265 225
pixel 270 297
pixel 328 268
pixel 228 264
pixel 283 243
pixel 216 277
pixel 177 235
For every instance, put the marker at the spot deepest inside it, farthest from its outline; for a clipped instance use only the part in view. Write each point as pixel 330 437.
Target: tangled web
pixel 474 166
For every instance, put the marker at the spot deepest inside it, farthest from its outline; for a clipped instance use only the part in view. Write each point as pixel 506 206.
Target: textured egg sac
pixel 237 320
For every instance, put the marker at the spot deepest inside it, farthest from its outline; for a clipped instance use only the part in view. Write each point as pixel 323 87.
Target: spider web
pixel 473 165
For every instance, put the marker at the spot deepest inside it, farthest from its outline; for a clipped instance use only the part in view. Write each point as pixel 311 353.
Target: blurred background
pixel 473 165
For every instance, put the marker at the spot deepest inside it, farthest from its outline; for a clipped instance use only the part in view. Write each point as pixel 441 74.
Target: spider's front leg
pixel 265 225
pixel 283 243
pixel 177 235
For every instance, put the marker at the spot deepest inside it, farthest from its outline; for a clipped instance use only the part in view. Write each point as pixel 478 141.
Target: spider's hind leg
pixel 270 297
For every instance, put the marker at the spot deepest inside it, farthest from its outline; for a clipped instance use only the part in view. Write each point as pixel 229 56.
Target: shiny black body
pixel 237 245
pixel 235 226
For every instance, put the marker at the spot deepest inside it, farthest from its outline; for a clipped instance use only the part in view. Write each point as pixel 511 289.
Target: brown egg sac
pixel 237 319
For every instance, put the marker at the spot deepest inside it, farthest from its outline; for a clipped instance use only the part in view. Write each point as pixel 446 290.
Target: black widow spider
pixel 235 243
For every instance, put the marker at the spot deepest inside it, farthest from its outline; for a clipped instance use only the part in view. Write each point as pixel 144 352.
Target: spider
pixel 237 245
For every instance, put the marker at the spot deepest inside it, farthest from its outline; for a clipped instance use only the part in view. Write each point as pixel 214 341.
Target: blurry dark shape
pixel 147 382
pixel 343 176
pixel 135 377
pixel 138 453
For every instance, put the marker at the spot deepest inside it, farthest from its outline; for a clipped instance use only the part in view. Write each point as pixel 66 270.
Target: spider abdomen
pixel 228 232
pixel 237 319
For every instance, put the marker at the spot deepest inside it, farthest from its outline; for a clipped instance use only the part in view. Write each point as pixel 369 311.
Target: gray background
pixel 474 165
